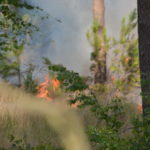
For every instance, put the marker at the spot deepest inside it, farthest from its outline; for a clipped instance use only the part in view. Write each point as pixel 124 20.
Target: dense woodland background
pixel 63 89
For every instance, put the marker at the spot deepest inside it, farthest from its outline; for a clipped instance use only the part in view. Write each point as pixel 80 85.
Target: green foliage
pixel 110 114
pixel 14 29
pixel 18 4
pixel 106 139
pixel 99 88
pixel 111 136
pixel 141 133
pixel 125 68
pixel 85 100
pixel 19 144
pixel 30 85
pixel 70 80
pixel 107 136
pixel 126 53
pixel 100 44
pixel 109 133
pixel 125 62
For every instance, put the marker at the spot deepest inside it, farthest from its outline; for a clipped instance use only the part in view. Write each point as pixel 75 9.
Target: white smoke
pixel 115 11
pixel 64 39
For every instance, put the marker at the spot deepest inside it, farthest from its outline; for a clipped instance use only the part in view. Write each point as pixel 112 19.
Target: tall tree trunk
pixel 99 11
pixel 98 14
pixel 144 51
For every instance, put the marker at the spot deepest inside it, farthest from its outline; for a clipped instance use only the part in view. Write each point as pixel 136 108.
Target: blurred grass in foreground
pixel 16 105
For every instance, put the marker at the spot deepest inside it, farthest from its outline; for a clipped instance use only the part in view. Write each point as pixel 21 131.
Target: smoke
pixel 60 117
pixel 115 11
pixel 63 38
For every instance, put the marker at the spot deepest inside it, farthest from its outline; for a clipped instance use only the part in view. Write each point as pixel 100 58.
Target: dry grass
pixel 23 114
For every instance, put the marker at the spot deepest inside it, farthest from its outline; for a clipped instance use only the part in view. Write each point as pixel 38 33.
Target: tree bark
pixel 144 51
pixel 99 11
pixel 99 15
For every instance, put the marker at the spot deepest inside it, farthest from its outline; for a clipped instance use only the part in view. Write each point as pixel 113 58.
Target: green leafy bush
pixel 70 80
pixel 20 144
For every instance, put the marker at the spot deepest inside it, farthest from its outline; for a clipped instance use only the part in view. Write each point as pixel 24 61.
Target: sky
pixel 64 41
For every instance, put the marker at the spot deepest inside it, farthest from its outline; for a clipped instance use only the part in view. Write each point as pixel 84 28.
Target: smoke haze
pixel 115 11
pixel 63 37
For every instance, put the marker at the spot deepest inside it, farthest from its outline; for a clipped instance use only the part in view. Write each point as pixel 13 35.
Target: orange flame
pixel 75 105
pixel 44 92
pixel 55 84
pixel 43 89
pixel 140 108
pixel 126 60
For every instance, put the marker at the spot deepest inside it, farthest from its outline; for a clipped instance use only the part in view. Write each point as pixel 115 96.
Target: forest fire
pixel 140 108
pixel 75 105
pixel 55 84
pixel 43 88
pixel 48 88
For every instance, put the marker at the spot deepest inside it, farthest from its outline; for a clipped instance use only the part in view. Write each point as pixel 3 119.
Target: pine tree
pixel 101 70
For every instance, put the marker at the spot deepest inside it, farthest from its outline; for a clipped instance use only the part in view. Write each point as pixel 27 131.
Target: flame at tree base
pixel 44 88
pixel 49 87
